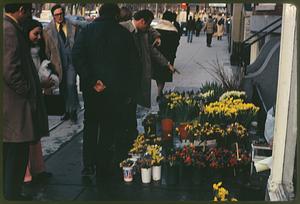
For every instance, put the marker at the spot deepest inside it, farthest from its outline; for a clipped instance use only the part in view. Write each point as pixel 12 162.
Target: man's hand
pixel 99 86
pixel 48 83
pixel 171 68
pixel 157 42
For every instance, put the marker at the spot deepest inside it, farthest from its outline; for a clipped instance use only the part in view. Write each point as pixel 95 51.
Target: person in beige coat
pixel 24 114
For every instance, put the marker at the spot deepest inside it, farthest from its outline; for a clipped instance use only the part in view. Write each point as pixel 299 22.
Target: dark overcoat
pixel 147 54
pixel 169 42
pixel 105 51
pixel 24 113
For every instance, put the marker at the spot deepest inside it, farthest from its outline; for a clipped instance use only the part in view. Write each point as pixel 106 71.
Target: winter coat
pixel 24 112
pixel 147 54
pixel 105 51
pixel 169 43
pixel 52 44
pixel 209 26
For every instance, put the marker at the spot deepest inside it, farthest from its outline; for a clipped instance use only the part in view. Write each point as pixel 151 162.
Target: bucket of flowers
pixel 127 166
pixel 145 163
pixel 221 193
pixel 157 158
pixel 172 163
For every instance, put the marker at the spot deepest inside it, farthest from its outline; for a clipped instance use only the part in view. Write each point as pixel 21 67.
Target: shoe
pixel 66 116
pixel 88 171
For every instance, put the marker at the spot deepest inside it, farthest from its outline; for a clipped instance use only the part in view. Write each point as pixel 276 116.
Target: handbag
pixel 55 104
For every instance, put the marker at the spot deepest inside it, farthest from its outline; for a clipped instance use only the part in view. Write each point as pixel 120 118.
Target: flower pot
pixel 146 175
pixel 156 173
pixel 186 174
pixel 172 175
pixel 166 128
pixel 198 175
pixel 182 131
pixel 128 174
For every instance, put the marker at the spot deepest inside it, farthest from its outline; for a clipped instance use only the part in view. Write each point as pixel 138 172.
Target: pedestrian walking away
pixel 24 110
pixel 190 29
pixel 59 38
pixel 209 29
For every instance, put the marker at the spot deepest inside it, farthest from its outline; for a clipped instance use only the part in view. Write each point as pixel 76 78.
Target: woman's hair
pixel 29 25
pixel 168 15
pixel 144 14
pixel 125 14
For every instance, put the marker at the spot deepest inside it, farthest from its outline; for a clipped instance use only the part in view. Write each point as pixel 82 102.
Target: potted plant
pixel 221 194
pixel 157 158
pixel 127 166
pixel 145 164
pixel 138 147
pixel 172 164
pixel 149 124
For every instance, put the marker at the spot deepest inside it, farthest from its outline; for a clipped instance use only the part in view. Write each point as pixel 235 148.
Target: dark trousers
pixel 90 139
pixel 208 38
pixel 197 32
pixel 129 132
pixel 15 158
pixel 102 126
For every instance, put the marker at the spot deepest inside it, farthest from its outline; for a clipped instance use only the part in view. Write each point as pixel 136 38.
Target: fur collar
pixel 165 25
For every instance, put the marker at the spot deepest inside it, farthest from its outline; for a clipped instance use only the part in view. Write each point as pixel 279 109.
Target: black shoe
pixel 66 116
pixel 88 171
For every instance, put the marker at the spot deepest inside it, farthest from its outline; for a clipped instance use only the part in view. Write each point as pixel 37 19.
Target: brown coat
pixel 147 54
pixel 52 45
pixel 24 113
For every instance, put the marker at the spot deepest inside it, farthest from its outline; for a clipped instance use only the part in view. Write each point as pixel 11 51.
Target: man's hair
pixel 12 8
pixel 125 14
pixel 144 14
pixel 109 10
pixel 57 6
pixel 168 15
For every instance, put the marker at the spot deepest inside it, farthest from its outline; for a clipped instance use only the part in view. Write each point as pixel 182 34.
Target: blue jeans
pixel 190 35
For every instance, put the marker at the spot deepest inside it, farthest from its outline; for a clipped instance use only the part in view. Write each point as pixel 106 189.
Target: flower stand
pixel 128 174
pixel 156 173
pixel 146 175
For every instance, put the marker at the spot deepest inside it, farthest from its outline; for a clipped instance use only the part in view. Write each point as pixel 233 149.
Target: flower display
pixel 221 193
pixel 145 161
pixel 149 124
pixel 233 94
pixel 220 158
pixel 139 145
pixel 126 163
pixel 191 156
pixel 229 111
pixel 155 152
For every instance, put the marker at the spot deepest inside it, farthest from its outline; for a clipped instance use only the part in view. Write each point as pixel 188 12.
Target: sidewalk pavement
pixel 62 150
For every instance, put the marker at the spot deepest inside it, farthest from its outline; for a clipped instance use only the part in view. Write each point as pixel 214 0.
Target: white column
pixel 280 185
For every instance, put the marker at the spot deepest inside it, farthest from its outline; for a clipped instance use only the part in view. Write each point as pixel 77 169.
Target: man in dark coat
pixel 104 56
pixel 24 114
